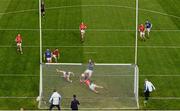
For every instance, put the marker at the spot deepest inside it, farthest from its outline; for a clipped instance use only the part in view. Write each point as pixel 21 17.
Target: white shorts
pixel 142 34
pixel 88 72
pixel 92 86
pixel 148 29
pixel 83 31
pixel 66 75
pixel 48 58
pixel 19 44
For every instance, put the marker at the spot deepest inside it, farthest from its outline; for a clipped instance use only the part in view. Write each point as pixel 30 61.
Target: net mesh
pixel 118 82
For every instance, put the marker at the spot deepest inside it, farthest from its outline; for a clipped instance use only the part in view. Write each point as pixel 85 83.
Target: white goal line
pixel 64 64
pixel 17 97
pixel 103 75
pixel 103 64
pixel 102 109
pixel 33 97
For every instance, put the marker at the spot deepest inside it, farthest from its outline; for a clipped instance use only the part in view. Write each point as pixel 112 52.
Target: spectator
pixel 55 100
pixel 74 103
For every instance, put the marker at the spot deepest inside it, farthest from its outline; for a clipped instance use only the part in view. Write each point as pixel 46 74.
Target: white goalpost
pixel 40 52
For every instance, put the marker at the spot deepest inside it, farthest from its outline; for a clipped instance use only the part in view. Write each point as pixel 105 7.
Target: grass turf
pixel 120 96
pixel 151 60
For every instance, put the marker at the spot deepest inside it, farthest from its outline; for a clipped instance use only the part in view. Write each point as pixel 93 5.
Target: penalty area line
pixel 166 98
pixel 17 97
pixel 90 52
pixel 100 46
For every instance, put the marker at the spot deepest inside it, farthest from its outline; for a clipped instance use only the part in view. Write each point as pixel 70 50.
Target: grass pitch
pixel 109 39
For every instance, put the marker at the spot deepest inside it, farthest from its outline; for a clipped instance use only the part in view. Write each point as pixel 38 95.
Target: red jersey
pixel 87 82
pixel 18 39
pixel 141 28
pixel 82 26
pixel 56 52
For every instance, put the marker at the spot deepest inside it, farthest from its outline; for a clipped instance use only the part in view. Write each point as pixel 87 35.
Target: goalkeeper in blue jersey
pixel 48 56
pixel 148 26
pixel 90 68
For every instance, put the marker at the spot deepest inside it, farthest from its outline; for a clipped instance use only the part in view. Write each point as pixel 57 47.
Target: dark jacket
pixel 74 104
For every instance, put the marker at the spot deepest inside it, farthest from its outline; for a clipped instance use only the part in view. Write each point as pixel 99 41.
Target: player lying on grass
pixel 142 32
pixel 92 86
pixel 90 68
pixel 82 28
pixel 66 74
pixel 48 56
pixel 56 55
pixel 18 41
pixel 148 27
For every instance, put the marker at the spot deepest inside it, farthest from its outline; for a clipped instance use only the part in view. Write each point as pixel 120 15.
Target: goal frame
pixel 136 78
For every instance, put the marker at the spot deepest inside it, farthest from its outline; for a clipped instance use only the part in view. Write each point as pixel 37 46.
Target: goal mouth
pixel 120 82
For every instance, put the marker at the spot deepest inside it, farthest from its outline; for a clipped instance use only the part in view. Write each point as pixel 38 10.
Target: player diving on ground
pixel 66 74
pixel 92 86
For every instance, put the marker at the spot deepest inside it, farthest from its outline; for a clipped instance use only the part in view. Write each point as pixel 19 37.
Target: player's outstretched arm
pixel 60 71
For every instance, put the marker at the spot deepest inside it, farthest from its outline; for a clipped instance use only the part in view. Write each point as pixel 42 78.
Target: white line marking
pixel 116 97
pixel 114 64
pixel 19 11
pixel 99 75
pixel 90 52
pixel 63 64
pixel 92 46
pixel 18 75
pixel 102 64
pixel 17 97
pixel 108 109
pixel 76 6
pixel 94 30
pixel 166 98
pixel 172 75
pixel 166 30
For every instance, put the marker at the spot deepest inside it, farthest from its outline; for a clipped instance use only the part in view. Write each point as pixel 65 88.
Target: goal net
pixel 120 82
